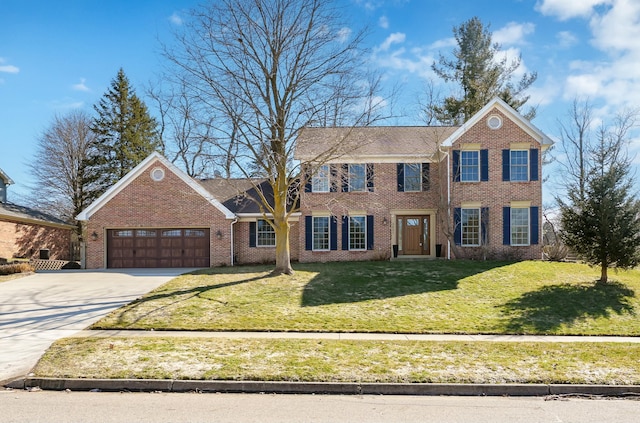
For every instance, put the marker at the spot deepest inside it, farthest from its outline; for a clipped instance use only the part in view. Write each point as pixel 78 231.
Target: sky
pixel 57 56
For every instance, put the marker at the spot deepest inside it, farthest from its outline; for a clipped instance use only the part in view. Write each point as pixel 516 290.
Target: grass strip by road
pixel 531 297
pixel 342 361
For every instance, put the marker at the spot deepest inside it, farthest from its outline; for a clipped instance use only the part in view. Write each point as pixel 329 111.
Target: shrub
pixel 9 269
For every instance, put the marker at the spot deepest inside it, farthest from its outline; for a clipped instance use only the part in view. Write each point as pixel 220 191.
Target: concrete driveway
pixel 38 309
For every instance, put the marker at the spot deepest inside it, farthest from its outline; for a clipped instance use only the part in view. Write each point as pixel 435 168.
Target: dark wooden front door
pixel 135 248
pixel 414 232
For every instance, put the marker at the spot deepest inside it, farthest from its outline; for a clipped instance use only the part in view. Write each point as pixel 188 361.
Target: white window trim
pixel 313 233
pixel 365 233
pixel 419 174
pixel 364 177
pixel 317 177
pixel 477 152
pixel 258 235
pixel 479 227
pixel 511 165
pixel 511 226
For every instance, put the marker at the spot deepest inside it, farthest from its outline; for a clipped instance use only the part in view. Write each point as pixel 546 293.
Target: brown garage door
pixel 129 248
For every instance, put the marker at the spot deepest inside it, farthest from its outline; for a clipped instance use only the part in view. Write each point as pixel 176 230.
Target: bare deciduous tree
pixel 265 69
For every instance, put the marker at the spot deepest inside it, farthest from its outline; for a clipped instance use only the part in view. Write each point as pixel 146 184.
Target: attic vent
pixel 494 122
pixel 157 174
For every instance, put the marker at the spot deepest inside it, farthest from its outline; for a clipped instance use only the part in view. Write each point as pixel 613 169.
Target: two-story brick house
pixel 370 193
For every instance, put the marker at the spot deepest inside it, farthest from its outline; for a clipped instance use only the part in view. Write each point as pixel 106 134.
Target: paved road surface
pixel 62 407
pixel 38 309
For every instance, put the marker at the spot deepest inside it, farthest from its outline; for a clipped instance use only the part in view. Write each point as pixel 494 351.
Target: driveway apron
pixel 39 309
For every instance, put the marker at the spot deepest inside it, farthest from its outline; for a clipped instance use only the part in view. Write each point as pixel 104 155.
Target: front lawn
pixel 440 296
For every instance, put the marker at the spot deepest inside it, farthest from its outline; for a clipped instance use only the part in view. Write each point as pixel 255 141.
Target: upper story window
pixel 357 177
pixel 320 182
pixel 265 234
pixel 469 166
pixel 519 165
pixel 412 177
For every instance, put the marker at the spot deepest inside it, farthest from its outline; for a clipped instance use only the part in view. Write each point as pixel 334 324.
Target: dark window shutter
pixel 333 180
pixel 333 232
pixel 425 176
pixel 252 233
pixel 484 165
pixel 400 177
pixel 506 165
pixel 506 225
pixel 457 229
pixel 307 177
pixel 484 225
pixel 345 232
pixel 369 232
pixel 534 225
pixel 456 165
pixel 345 178
pixel 533 164
pixel 370 177
pixel 308 233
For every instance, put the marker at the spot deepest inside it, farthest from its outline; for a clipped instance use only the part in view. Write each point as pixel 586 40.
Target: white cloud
pixel 446 43
pixel 175 19
pixel 8 68
pixel 567 9
pixel 395 38
pixel 344 34
pixel 513 33
pixel 566 39
pixel 383 22
pixel 81 86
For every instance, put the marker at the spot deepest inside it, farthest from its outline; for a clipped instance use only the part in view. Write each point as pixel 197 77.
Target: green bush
pixel 9 269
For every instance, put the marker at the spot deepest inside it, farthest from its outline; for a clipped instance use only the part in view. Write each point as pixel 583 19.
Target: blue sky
pixel 59 55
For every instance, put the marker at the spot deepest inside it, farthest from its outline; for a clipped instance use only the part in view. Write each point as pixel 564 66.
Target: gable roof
pixel 373 143
pixel 510 112
pixel 136 171
pixel 14 212
pixel 241 195
pixel 5 178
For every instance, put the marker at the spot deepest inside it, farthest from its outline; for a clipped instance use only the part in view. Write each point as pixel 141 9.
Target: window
pixel 357 177
pixel 320 233
pixel 145 233
pixel 519 165
pixel 469 166
pixel 194 233
pixel 357 233
pixel 470 227
pixel 123 234
pixel 519 226
pixel 320 181
pixel 412 177
pixel 172 233
pixel 265 234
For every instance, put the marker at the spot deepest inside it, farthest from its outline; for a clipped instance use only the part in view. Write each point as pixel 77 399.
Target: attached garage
pixel 165 247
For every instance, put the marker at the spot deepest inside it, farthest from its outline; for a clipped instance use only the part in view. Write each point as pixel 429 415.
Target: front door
pixel 413 234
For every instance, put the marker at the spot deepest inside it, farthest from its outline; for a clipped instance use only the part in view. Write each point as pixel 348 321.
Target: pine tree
pixel 125 134
pixel 480 74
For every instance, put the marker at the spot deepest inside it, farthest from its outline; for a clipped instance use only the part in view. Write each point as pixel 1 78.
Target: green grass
pixel 531 297
pixel 342 361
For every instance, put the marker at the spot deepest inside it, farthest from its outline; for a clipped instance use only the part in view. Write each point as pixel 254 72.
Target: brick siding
pixel 25 240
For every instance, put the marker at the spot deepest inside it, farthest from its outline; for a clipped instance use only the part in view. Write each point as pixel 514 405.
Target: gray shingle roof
pixel 14 212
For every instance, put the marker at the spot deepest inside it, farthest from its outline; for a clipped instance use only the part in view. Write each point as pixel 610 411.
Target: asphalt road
pixel 38 309
pixel 66 407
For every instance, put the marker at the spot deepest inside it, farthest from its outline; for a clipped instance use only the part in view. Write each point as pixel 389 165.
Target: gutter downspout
pixel 448 202
pixel 233 222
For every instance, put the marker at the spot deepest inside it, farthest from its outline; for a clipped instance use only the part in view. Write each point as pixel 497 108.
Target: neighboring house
pixel 24 232
pixel 470 191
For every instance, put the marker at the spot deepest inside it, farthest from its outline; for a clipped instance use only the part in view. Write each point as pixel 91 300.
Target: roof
pixel 14 212
pixel 372 143
pixel 5 178
pixel 241 195
pixel 135 172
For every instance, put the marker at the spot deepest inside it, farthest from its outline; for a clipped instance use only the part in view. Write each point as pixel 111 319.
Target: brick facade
pixel 246 254
pixel 25 240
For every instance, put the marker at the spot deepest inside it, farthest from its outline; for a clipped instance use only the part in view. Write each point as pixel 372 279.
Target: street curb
pixel 336 388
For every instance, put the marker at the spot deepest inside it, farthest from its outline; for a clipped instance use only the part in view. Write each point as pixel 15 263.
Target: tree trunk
pixel 283 252
pixel 603 274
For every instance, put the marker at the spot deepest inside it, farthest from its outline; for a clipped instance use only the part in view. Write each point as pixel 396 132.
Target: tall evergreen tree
pixel 480 73
pixel 125 134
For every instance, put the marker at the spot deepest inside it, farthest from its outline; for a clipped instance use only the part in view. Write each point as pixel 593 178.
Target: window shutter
pixel 425 176
pixel 333 232
pixel 484 165
pixel 308 233
pixel 506 165
pixel 370 177
pixel 533 164
pixel 333 179
pixel 345 232
pixel 252 233
pixel 456 165
pixel 506 225
pixel 457 229
pixel 307 177
pixel 400 177
pixel 345 177
pixel 534 225
pixel 369 232
pixel 484 225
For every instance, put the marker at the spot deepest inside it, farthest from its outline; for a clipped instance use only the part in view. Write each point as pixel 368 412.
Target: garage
pixel 153 247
